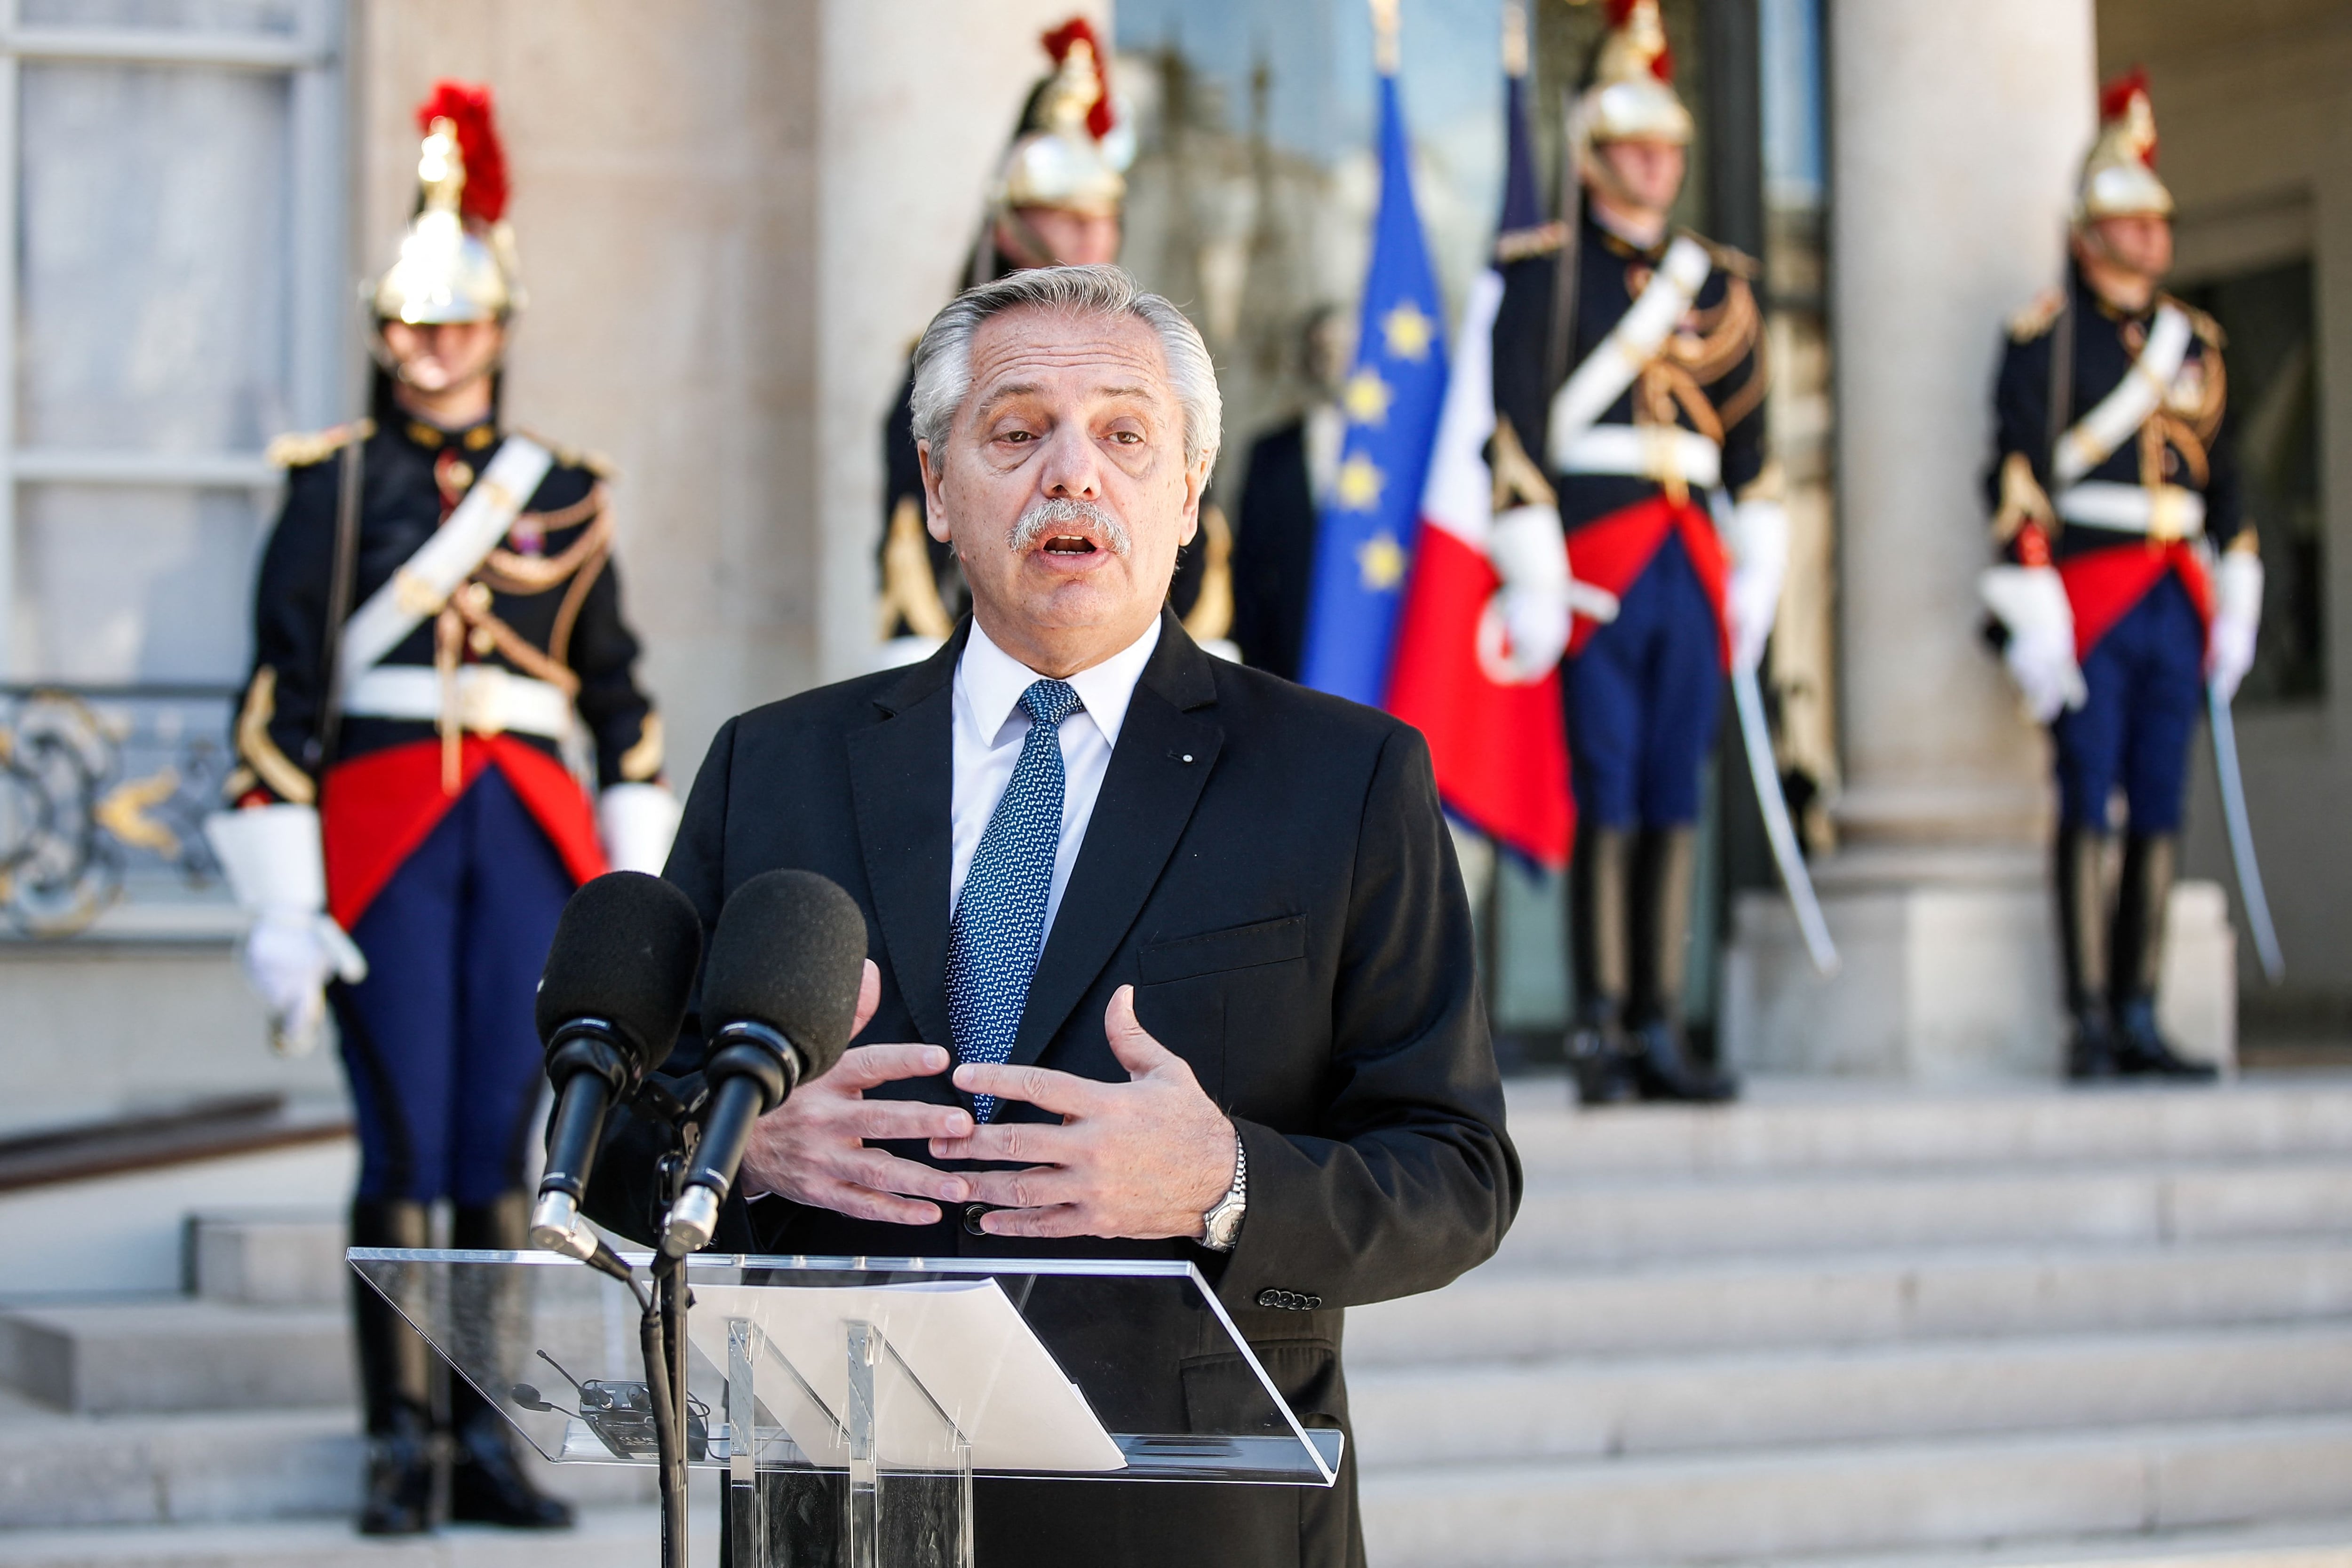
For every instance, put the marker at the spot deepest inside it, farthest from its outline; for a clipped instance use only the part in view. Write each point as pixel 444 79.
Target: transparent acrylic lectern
pixel 850 1401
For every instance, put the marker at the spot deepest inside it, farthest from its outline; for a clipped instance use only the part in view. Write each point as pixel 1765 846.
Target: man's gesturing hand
pixel 812 1148
pixel 1140 1160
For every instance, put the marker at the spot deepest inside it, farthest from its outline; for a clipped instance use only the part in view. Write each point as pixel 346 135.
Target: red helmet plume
pixel 2116 103
pixel 1077 29
pixel 468 107
pixel 1620 13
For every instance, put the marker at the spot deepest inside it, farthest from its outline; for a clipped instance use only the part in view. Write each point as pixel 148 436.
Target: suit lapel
pixel 1157 773
pixel 901 777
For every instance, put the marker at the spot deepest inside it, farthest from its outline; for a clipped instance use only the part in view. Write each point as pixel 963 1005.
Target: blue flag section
pixel 1391 398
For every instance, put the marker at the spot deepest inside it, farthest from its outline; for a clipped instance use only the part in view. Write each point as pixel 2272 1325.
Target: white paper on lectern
pixel 960 1338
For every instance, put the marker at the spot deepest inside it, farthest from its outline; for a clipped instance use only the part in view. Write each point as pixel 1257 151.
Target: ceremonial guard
pixel 1629 390
pixel 2128 579
pixel 1056 201
pixel 438 655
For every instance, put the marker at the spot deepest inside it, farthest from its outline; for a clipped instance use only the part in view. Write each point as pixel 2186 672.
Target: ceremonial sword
pixel 1764 772
pixel 2241 839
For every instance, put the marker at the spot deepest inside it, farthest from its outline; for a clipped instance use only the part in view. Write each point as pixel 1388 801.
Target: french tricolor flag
pixel 1499 749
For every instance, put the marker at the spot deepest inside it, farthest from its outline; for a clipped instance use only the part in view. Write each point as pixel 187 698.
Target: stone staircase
pixel 1992 1331
pixel 2009 1327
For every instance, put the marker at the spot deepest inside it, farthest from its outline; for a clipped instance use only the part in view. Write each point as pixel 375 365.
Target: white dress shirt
pixel 991 725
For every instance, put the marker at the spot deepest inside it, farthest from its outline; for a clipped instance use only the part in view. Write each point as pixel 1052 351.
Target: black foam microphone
pixel 779 997
pixel 610 1003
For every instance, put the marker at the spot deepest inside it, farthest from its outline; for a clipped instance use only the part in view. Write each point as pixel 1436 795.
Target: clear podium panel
pixel 866 1368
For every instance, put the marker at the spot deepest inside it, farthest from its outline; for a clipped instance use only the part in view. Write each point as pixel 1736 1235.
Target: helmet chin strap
pixel 1023 232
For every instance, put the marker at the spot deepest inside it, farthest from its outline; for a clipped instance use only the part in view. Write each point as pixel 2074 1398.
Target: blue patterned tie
pixel 999 920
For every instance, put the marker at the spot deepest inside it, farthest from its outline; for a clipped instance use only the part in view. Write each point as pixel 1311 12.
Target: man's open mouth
pixel 1069 544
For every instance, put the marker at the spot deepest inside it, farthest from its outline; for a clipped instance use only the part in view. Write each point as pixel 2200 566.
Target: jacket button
pixel 972 1213
pixel 1288 1301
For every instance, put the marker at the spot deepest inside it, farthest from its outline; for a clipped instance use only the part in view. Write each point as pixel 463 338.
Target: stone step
pixel 1876 1497
pixel 269 1258
pixel 1633 1217
pixel 1810 1124
pixel 61 1472
pixel 606 1538
pixel 107 1357
pixel 1595 1406
pixel 1498 1312
pixel 2319 1542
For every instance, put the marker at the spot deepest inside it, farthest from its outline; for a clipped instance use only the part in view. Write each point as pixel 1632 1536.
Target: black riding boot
pixel 2081 876
pixel 488 1481
pixel 1600 912
pixel 1662 1069
pixel 395 1375
pixel 2141 1049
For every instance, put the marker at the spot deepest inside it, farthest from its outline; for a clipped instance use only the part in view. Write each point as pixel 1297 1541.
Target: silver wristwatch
pixel 1224 1219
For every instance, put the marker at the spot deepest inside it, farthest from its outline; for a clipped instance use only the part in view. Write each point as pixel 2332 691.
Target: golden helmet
pixel 1631 97
pixel 456 262
pixel 1071 151
pixel 2119 176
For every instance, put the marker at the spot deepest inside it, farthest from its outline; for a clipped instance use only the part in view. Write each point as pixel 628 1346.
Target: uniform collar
pixel 989 681
pixel 1618 246
pixel 431 437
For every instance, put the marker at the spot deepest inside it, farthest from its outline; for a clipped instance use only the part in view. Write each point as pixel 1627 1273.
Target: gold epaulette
pixel 2037 318
pixel 1727 258
pixel 1517 244
pixel 301 449
pixel 2208 331
pixel 596 462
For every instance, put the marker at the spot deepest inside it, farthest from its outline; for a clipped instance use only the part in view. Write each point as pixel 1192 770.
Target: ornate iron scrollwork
pixel 103 794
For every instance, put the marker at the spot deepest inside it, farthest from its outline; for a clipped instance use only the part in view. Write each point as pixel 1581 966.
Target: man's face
pixel 1064 486
pixel 1646 174
pixel 2140 244
pixel 1071 239
pixel 445 355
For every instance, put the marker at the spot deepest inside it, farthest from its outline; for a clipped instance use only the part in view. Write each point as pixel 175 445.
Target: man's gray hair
pixel 943 359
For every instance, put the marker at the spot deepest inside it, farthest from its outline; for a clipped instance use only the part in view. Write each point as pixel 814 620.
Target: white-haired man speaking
pixel 1170 957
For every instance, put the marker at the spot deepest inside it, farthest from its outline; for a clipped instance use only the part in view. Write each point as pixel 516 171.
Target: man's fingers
pixel 1063 1219
pixel 862 1203
pixel 1030 1142
pixel 1038 1187
pixel 903 1119
pixel 1059 1092
pixel 869 998
pixel 888 1173
pixel 1129 1040
pixel 864 1066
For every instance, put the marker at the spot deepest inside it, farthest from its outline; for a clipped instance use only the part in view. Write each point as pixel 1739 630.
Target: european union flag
pixel 1392 398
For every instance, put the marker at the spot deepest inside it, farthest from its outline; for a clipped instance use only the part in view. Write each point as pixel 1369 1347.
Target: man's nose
pixel 1073 468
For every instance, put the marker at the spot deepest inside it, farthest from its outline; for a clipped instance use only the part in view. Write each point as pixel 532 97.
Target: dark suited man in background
pixel 1171 957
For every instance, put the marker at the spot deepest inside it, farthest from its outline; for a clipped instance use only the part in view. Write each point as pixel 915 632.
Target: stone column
pixel 1955 134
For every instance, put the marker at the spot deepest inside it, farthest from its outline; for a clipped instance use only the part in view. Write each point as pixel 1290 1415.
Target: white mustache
pixel 1039 522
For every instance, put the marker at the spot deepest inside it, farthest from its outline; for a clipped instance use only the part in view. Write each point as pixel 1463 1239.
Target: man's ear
pixel 935 509
pixel 1196 485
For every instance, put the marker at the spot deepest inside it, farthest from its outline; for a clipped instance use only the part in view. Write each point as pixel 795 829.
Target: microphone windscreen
pixel 626 951
pixel 789 953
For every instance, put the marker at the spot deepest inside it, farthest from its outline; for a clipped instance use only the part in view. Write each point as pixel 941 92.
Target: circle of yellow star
pixel 1366 397
pixel 1380 561
pixel 1408 331
pixel 1358 484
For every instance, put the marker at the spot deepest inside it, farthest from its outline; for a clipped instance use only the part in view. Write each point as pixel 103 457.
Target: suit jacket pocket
pixel 1236 947
pixel 1223 1396
pixel 1187 989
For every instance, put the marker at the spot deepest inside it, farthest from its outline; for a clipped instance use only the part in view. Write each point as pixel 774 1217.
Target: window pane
pixel 154 250
pixel 268 17
pixel 117 585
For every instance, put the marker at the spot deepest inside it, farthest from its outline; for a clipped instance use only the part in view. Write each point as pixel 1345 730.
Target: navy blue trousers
pixel 1642 700
pixel 2147 680
pixel 438 1040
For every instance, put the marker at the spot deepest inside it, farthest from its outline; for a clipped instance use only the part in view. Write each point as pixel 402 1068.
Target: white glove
pixel 2030 601
pixel 277 867
pixel 636 823
pixel 2237 612
pixel 1529 553
pixel 1757 536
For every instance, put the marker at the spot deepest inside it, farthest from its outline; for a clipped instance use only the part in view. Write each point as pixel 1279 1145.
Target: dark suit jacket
pixel 1268 865
pixel 1274 551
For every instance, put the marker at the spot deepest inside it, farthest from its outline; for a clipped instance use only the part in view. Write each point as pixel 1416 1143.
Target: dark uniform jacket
pixel 1268 866
pixel 1274 551
pixel 1711 380
pixel 2188 447
pixel 547 605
